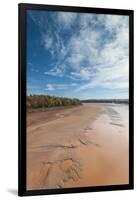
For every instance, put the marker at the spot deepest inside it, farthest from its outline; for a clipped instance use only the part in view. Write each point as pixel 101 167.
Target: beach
pixel 85 145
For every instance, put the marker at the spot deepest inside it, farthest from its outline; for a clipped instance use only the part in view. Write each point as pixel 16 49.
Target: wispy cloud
pixel 51 87
pixel 56 71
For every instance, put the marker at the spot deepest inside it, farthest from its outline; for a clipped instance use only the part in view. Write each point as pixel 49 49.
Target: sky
pixel 77 55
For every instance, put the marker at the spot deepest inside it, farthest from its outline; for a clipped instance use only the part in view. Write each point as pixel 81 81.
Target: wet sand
pixel 75 147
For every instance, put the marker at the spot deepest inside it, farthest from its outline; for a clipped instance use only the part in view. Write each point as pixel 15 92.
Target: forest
pixel 45 101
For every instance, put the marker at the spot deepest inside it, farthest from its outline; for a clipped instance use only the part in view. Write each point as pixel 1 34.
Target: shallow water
pixel 112 115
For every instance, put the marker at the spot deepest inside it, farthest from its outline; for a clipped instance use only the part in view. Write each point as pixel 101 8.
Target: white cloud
pixel 113 23
pixel 49 87
pixel 56 71
pixel 84 47
pixel 66 19
pixel 83 74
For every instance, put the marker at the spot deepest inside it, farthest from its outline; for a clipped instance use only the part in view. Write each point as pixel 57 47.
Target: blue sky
pixel 77 55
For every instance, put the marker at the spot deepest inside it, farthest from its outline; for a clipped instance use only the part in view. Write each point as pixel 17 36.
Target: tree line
pixel 45 101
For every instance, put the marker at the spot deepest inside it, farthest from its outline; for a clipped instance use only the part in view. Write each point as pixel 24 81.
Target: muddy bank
pixel 51 156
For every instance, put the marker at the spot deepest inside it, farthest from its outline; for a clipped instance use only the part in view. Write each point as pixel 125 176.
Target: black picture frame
pixel 22 191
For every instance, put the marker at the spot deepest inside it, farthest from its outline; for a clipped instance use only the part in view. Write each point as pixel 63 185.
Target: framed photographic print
pixel 75 99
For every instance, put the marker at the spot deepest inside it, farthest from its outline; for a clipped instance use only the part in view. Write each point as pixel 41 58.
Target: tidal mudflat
pixel 81 146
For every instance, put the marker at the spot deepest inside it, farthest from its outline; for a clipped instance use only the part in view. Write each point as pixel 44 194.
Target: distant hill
pixel 126 101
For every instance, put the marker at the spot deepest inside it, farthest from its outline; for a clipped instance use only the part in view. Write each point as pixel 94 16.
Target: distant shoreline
pixel 117 101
